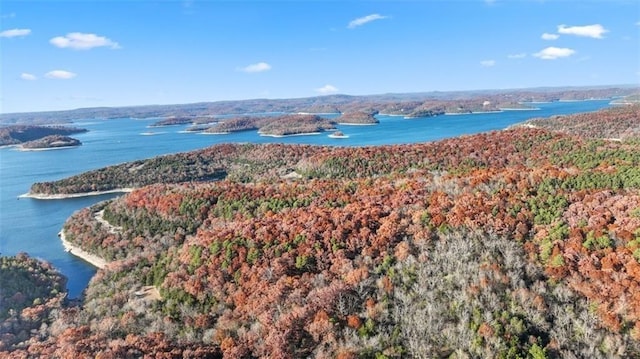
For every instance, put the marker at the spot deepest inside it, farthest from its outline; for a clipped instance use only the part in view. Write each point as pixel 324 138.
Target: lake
pixel 31 225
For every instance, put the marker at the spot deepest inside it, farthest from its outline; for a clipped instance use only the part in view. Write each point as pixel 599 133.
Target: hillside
pixel 523 242
pixel 30 291
pixel 615 123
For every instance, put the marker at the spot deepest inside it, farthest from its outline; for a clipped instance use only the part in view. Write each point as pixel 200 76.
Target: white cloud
pixel 28 76
pixel 548 36
pixel 488 63
pixel 365 19
pixel 15 32
pixel 517 56
pixel 60 75
pixel 82 41
pixel 638 23
pixel 595 31
pixel 552 53
pixel 259 67
pixel 326 89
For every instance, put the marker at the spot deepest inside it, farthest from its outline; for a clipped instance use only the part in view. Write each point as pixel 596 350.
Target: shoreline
pixel 291 135
pixel 585 99
pixel 74 195
pixel 623 103
pixel 203 132
pixel 357 124
pixel 26 149
pixel 74 250
pixel 471 113
pixel 519 109
pixel 318 113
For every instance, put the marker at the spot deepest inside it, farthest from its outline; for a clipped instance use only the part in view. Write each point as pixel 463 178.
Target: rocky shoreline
pixel 69 247
pixel 74 195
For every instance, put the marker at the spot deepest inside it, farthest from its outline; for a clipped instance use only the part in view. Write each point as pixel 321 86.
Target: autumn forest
pixel 521 243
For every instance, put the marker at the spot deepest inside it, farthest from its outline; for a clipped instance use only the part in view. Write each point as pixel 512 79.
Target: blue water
pixel 30 225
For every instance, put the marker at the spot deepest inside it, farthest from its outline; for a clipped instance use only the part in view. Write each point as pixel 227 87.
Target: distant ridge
pixel 384 103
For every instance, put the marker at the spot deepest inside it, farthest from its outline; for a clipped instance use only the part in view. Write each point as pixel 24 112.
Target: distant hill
pixel 413 104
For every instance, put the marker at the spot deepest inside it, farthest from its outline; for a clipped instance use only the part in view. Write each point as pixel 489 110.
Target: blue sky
pixel 69 54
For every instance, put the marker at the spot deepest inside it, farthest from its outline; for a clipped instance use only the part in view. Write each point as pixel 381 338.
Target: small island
pixel 195 129
pixel 20 134
pixel 172 121
pixel 236 124
pixel 358 118
pixel 290 125
pixel 338 134
pixel 182 120
pixel 275 126
pixel 487 105
pixel 424 113
pixel 53 142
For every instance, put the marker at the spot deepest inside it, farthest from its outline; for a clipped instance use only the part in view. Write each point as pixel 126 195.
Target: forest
pixel 521 243
pixel 30 292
